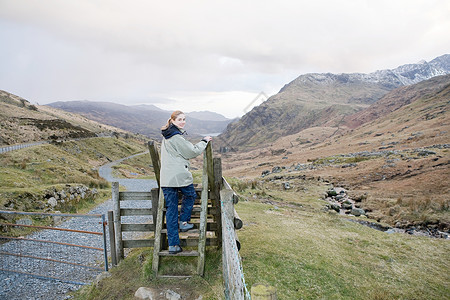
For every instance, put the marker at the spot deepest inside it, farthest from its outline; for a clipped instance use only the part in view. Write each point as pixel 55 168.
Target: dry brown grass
pixel 420 181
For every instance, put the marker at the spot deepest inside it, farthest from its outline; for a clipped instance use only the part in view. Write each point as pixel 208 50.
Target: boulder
pixel 171 295
pixel 145 293
pixel 335 207
pixel 52 202
pixel 358 212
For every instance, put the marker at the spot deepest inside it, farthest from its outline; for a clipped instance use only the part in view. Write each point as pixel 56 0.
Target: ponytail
pixel 173 116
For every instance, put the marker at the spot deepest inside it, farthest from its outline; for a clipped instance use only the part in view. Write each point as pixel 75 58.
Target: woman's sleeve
pixel 187 149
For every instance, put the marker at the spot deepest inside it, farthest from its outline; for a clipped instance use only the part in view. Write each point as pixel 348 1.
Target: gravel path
pixel 18 286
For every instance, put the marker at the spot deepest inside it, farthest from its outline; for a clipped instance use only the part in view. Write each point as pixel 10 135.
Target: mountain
pixel 401 97
pixel 325 99
pixel 143 119
pixel 207 116
pixel 21 122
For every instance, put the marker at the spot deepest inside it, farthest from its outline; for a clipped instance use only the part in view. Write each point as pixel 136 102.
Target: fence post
pixel 155 197
pixel 112 238
pixel 155 159
pixel 218 184
pixel 117 221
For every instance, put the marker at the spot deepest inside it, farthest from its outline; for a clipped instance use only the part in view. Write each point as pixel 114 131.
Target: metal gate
pixel 73 251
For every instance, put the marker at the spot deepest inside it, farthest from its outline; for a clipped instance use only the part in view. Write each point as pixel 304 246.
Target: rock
pixel 340 190
pixel 339 197
pixel 335 207
pixel 52 202
pixel 57 219
pixel 25 221
pixel 286 185
pixel 332 193
pixel 276 169
pixel 171 295
pixel 347 205
pixel 145 293
pixel 358 212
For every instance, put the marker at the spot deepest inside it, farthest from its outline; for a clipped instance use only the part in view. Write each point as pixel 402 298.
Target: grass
pixel 136 271
pixel 313 255
pixel 27 174
pixel 291 243
pixel 138 167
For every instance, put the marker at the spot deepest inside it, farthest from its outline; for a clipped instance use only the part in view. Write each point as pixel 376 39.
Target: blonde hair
pixel 173 117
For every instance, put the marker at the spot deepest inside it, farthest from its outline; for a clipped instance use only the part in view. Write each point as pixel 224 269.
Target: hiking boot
pixel 185 226
pixel 175 249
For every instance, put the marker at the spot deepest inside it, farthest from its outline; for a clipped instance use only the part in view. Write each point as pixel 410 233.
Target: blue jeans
pixel 171 196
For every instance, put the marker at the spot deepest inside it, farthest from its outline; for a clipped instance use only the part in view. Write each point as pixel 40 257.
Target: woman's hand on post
pixel 207 139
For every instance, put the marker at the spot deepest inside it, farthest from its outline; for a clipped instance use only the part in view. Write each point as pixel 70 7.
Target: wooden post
pixel 158 225
pixel 117 221
pixel 155 159
pixel 218 184
pixel 203 220
pixel 155 197
pixel 112 238
pixel 263 292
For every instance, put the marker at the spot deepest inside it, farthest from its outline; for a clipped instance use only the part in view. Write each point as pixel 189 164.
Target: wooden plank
pixel 116 203
pixel 127 196
pixel 155 160
pixel 210 227
pixel 183 253
pixel 175 276
pixel 155 197
pixel 112 237
pixel 210 168
pixel 196 210
pixel 218 183
pixel 138 243
pixel 159 224
pixel 193 242
pixel 203 220
pixel 135 211
pixel 227 186
pixel 138 227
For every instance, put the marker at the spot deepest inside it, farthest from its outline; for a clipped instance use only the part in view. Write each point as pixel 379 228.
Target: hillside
pixel 394 163
pixel 323 100
pixel 143 119
pixel 21 122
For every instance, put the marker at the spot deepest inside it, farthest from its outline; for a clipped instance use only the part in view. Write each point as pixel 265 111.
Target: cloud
pixel 133 51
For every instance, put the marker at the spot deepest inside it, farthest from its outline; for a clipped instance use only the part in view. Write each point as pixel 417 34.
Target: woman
pixel 175 176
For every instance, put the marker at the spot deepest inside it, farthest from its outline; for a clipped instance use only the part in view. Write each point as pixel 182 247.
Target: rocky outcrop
pixel 68 196
pixel 338 200
pixel 58 198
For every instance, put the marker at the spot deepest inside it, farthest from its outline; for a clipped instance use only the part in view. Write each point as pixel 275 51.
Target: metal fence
pixel 20 146
pixel 71 252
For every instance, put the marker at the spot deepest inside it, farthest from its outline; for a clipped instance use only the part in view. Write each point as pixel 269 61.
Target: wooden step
pixel 194 231
pixel 175 276
pixel 183 253
pixel 133 196
pixel 136 212
pixel 197 210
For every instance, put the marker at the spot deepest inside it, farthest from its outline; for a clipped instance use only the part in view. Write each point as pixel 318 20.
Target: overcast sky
pixel 205 55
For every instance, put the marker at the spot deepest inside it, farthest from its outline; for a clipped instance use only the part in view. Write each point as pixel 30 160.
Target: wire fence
pixel 20 146
pixel 72 252
pixel 9 148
